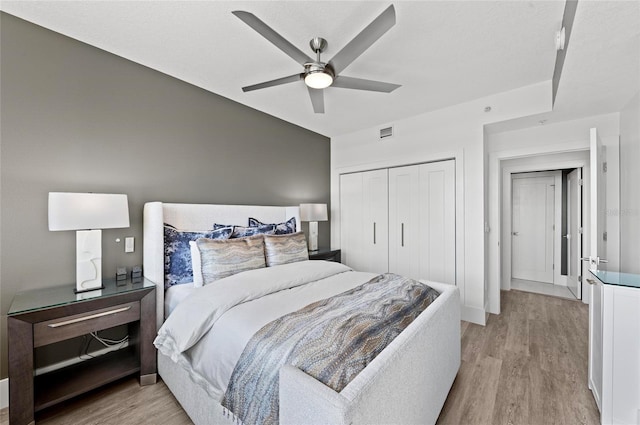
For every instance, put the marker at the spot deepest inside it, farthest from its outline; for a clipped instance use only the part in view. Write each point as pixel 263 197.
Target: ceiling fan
pixel 319 75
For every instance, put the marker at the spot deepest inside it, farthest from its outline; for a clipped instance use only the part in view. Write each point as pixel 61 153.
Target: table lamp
pixel 313 213
pixel 88 213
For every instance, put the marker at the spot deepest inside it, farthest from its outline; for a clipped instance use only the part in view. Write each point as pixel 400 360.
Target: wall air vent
pixel 386 133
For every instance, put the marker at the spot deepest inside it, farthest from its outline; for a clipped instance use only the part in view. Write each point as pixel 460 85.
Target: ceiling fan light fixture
pixel 318 79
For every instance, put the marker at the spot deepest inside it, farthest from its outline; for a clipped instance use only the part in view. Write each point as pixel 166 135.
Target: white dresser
pixel 614 346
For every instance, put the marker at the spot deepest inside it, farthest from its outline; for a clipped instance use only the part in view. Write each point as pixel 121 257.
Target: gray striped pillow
pixel 222 258
pixel 283 249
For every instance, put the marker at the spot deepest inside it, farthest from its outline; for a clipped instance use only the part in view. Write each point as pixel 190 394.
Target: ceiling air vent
pixel 386 133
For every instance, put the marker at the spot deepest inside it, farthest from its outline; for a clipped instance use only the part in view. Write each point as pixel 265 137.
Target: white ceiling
pixel 441 52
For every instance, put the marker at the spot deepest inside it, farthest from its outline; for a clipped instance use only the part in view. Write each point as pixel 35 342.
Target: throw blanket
pixel 331 340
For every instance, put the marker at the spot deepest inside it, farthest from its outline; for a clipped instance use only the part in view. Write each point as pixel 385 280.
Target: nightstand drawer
pixel 63 328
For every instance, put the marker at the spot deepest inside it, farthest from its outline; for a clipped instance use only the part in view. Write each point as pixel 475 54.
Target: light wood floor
pixel 527 366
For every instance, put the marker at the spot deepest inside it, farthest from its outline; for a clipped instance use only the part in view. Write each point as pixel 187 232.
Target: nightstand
pixel 46 316
pixel 325 254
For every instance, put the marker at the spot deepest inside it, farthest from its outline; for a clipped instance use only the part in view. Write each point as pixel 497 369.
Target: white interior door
pixel 598 208
pixel 595 260
pixel 364 220
pixel 375 218
pixel 574 232
pixel 437 222
pixel 404 221
pixel 352 228
pixel 533 217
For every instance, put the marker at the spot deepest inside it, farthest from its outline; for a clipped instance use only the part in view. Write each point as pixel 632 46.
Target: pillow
pixel 217 226
pixel 284 249
pixel 177 254
pixel 222 258
pixel 196 264
pixel 243 232
pixel 285 228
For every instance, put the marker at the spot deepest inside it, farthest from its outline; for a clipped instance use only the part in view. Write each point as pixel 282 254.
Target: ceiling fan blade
pixel 276 82
pixel 276 39
pixel 362 84
pixel 317 100
pixel 364 40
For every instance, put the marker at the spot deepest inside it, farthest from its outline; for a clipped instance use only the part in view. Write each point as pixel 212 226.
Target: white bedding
pixel 174 296
pixel 208 331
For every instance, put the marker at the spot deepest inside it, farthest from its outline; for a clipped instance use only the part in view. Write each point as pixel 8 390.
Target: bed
pixel 407 382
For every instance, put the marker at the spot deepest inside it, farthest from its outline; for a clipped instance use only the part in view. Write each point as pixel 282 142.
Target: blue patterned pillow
pixel 217 226
pixel 243 232
pixel 285 228
pixel 177 253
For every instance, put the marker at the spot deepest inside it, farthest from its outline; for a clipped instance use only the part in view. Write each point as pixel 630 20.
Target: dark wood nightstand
pixel 42 317
pixel 325 254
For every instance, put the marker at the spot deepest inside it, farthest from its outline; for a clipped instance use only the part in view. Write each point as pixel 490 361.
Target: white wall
pixel 564 137
pixel 629 191
pixel 454 132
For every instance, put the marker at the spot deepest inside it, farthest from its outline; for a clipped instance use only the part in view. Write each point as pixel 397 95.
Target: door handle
pixel 401 234
pixel 591 281
pixel 567 236
pixel 515 233
pixel 374 232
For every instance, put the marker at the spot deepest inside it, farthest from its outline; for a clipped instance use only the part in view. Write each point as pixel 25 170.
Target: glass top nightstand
pixel 39 299
pixel 42 317
pixel 325 254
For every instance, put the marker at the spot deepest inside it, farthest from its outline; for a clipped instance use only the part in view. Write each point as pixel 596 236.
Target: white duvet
pixel 207 332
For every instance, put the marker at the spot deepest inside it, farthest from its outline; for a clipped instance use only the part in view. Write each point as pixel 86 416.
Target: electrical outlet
pixel 128 244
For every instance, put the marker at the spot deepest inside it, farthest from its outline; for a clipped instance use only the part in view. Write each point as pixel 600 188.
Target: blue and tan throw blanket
pixel 331 340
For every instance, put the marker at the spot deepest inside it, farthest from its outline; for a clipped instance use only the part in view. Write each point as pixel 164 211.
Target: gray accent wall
pixel 75 118
pixel 629 193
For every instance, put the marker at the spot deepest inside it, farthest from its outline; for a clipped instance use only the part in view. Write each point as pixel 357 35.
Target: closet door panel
pixel 364 234
pixel 404 221
pixel 351 226
pixel 437 222
pixel 375 219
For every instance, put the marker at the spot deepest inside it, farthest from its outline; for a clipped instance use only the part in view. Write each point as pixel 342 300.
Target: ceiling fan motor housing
pixel 318 44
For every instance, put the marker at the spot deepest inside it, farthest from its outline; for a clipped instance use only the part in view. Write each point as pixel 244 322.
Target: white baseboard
pixel 473 315
pixel 4 393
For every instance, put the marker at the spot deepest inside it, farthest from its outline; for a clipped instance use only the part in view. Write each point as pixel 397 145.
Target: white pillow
pixel 196 264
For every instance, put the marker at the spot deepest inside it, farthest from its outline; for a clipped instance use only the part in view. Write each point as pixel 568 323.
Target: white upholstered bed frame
pixel 407 383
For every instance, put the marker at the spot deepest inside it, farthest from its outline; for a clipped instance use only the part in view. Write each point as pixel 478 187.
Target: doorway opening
pixel 546 231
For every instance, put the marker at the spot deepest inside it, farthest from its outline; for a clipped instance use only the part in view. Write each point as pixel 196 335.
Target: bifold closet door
pixel 438 222
pixel 404 218
pixel 422 221
pixel 364 220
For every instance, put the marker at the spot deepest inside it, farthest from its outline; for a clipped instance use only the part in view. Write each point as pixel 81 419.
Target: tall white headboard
pixel 195 217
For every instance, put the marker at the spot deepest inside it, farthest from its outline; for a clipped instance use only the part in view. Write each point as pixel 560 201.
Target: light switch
pixel 128 244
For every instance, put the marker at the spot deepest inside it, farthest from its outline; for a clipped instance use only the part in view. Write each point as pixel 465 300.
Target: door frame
pixel 494 228
pixel 558 278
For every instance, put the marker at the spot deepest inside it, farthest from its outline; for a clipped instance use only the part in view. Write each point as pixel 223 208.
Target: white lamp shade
pixel 313 212
pixel 85 211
